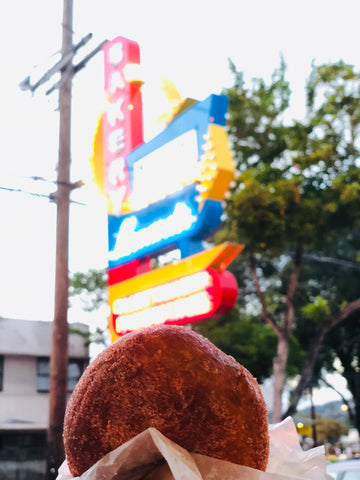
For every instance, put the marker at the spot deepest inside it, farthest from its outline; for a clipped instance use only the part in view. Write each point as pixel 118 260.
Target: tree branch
pixel 306 375
pixel 350 411
pixel 264 311
pixel 332 320
pixel 293 282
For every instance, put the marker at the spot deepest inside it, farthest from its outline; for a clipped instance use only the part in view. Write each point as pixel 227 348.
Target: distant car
pixel 345 470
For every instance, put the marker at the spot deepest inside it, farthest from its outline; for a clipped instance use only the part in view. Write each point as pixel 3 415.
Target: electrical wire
pixel 51 196
pixel 332 260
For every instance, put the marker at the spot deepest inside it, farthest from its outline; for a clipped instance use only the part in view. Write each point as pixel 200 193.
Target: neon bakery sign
pixel 162 195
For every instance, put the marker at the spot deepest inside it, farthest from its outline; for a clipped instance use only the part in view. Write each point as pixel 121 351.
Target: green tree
pixel 90 287
pixel 296 193
pixel 329 283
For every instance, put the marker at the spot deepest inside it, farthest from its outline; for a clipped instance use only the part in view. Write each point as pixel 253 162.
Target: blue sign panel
pixel 172 223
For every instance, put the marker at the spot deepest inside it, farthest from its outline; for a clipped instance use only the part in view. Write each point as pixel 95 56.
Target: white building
pixel 25 348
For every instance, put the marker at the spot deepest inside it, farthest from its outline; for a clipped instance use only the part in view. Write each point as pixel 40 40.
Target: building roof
pixel 29 337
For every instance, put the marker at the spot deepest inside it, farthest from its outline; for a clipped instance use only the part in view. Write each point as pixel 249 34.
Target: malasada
pixel 172 379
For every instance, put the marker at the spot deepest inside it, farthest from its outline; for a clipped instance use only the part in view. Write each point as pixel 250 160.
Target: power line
pixel 71 185
pixel 19 190
pixel 51 196
pixel 335 261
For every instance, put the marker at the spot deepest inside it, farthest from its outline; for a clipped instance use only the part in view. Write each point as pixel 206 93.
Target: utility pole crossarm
pixel 88 57
pixel 79 66
pixel 59 66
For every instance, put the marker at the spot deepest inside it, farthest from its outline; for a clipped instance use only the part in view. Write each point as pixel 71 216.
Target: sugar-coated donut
pixel 172 379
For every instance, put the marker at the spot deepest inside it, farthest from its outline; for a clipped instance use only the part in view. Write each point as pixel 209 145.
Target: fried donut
pixel 172 379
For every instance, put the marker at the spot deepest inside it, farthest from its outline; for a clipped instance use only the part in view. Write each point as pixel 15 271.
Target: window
pixel 75 370
pixel 1 372
pixel 43 372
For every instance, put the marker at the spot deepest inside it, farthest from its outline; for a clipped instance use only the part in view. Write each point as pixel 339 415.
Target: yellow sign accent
pixel 98 167
pixel 216 165
pixel 97 159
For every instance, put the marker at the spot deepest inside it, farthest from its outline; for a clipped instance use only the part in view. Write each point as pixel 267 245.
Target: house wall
pixel 22 407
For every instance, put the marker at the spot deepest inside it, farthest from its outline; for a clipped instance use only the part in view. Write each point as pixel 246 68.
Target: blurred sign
pixel 162 195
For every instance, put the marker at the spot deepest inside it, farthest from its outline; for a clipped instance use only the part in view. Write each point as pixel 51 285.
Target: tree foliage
pixel 90 287
pixel 297 184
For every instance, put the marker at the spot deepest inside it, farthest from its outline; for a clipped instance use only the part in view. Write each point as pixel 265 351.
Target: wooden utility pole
pixel 59 350
pixel 59 345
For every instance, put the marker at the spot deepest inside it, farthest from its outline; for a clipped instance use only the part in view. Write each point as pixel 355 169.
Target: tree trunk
pixel 306 375
pixel 279 365
pixel 357 413
pixel 307 371
pixel 282 332
pixel 353 379
pixel 351 412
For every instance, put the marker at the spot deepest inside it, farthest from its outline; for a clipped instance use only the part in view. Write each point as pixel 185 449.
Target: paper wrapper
pixel 150 455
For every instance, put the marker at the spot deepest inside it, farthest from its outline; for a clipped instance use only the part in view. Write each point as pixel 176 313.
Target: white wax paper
pixel 150 455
